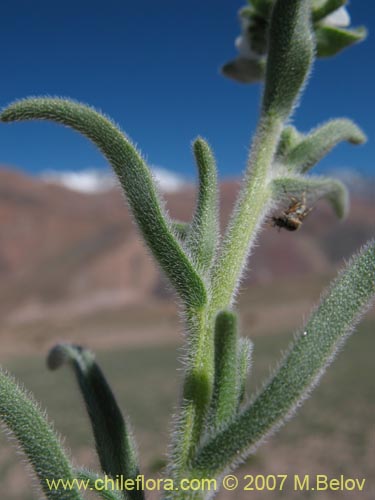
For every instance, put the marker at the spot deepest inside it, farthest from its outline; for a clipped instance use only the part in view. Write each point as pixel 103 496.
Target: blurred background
pixel 73 268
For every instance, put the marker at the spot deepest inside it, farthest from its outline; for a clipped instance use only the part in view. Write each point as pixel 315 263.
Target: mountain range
pixel 65 253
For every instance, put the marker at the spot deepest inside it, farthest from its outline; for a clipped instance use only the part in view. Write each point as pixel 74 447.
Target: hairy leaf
pixel 135 178
pixel 203 235
pixel 113 439
pixel 314 188
pixel 37 439
pixel 225 396
pixel 314 146
pixel 313 350
pixel 331 40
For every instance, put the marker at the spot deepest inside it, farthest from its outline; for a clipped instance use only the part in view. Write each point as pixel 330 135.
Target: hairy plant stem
pixel 197 390
pixel 248 214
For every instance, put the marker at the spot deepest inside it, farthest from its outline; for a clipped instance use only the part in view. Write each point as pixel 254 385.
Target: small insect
pixel 292 218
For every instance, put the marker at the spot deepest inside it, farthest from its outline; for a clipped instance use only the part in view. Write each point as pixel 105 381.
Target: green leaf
pixel 36 437
pixel 312 351
pixel 323 8
pixel 314 189
pixel 245 349
pixel 313 147
pixel 201 242
pixel 331 40
pixel 96 483
pixel 245 70
pixel 225 396
pixel 290 56
pixel 204 232
pixel 113 440
pixel 135 178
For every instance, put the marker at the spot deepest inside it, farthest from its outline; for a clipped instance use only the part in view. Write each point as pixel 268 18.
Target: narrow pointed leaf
pixel 113 439
pixel 96 483
pixel 314 189
pixel 313 147
pixel 203 235
pixel 201 243
pixel 331 40
pixel 135 179
pixel 290 56
pixel 36 438
pixel 245 349
pixel 225 395
pixel 313 350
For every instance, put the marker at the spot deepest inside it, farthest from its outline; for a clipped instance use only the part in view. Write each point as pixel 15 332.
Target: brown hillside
pixel 65 255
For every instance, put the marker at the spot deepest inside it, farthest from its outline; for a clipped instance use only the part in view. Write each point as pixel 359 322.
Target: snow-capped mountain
pixel 99 180
pixel 85 181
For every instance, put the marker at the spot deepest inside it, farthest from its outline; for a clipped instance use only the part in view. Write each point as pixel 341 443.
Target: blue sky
pixel 154 67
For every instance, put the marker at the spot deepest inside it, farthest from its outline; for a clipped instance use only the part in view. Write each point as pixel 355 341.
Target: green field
pixel 332 434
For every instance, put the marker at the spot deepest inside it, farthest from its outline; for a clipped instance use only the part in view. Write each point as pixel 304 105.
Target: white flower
pixel 242 42
pixel 339 18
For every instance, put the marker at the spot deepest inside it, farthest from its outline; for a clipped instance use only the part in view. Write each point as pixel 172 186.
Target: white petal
pixel 339 18
pixel 243 46
pixel 242 42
